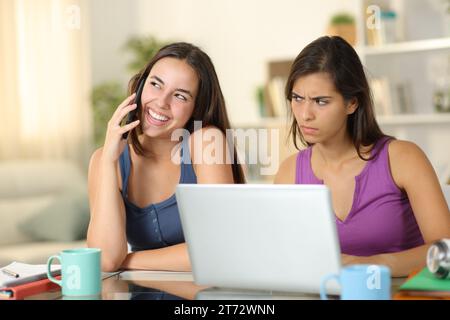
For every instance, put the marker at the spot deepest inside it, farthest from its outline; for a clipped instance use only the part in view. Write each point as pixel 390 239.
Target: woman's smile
pixel 156 118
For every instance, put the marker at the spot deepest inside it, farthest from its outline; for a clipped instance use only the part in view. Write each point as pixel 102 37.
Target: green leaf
pixel 342 18
pixel 142 49
pixel 105 97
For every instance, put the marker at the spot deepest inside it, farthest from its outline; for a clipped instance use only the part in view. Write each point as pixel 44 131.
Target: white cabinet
pixel 414 69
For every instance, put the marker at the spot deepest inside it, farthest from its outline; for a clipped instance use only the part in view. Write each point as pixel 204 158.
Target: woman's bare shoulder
pixel 405 153
pixel 406 157
pixel 286 172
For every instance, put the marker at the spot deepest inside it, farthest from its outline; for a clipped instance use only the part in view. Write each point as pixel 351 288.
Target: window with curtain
pixel 45 80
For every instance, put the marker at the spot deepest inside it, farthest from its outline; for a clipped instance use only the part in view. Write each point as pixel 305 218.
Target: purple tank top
pixel 381 219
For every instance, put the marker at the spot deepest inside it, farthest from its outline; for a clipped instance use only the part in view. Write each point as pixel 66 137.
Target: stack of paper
pixel 25 273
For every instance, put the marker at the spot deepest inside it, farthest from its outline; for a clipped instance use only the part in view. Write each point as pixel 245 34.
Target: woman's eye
pixel 321 102
pixel 296 98
pixel 155 84
pixel 181 97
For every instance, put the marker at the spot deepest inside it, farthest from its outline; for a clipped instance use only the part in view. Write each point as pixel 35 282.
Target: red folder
pixel 28 289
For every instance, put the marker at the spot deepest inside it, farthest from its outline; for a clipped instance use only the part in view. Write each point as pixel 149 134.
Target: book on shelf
pixel 404 94
pixel 268 108
pixel 382 100
pixel 277 97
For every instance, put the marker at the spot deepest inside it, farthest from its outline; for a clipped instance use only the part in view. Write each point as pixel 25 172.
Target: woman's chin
pixel 156 132
pixel 311 140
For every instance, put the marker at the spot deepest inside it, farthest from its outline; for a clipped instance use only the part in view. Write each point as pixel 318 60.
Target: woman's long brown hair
pixel 209 107
pixel 336 57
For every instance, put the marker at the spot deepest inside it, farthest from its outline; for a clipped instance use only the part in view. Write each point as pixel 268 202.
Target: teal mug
pixel 80 272
pixel 361 282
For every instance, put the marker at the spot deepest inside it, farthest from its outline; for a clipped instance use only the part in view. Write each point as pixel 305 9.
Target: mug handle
pixel 49 272
pixel 323 283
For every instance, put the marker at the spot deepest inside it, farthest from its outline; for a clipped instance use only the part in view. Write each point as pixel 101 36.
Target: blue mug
pixel 361 282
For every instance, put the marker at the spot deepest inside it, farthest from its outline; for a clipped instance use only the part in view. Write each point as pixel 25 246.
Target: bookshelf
pixel 405 47
pixel 416 59
pixel 414 119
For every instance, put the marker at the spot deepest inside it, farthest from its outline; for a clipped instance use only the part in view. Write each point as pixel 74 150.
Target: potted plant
pixel 343 25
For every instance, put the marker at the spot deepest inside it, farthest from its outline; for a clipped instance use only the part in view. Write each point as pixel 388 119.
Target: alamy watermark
pixel 252 146
pixel 373 20
pixel 66 17
pixel 374 280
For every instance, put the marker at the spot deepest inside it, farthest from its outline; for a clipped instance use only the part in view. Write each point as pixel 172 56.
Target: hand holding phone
pixel 132 114
pixel 114 144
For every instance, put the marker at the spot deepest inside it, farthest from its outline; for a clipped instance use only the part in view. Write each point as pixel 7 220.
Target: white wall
pixel 239 36
pixel 112 22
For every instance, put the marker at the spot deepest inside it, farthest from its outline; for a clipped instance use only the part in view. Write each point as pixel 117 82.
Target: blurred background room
pixel 65 65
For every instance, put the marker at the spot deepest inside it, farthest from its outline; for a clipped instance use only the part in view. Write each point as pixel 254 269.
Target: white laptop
pixel 263 237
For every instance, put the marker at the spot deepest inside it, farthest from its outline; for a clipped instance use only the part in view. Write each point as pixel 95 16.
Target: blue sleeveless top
pixel 157 225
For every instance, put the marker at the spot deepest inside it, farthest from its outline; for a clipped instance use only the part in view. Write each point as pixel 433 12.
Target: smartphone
pixel 137 100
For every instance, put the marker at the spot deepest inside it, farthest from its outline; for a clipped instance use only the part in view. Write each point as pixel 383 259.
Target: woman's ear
pixel 352 105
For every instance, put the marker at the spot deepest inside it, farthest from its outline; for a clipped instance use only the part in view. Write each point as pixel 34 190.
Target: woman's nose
pixel 163 101
pixel 307 113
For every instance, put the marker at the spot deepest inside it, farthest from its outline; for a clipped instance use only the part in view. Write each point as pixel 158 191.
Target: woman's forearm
pixel 401 263
pixel 172 258
pixel 107 225
pixel 404 262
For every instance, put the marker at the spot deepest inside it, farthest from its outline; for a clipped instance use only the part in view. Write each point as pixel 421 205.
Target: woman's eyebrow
pixel 185 91
pixel 321 97
pixel 313 98
pixel 178 89
pixel 157 78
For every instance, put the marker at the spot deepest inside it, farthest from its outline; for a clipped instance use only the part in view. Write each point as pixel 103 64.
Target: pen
pixel 10 273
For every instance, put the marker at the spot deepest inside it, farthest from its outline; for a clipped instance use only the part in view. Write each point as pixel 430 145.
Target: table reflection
pixel 116 288
pixel 168 286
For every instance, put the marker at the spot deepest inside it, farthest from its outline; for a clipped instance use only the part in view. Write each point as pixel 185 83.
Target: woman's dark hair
pixel 209 104
pixel 337 58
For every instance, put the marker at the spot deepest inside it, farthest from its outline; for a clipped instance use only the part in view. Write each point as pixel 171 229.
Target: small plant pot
pixel 345 31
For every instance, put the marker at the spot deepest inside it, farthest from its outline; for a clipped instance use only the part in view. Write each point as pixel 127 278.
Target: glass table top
pixel 155 285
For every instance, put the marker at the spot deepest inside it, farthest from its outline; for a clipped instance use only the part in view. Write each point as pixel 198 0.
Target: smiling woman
pixel 132 182
pixel 168 99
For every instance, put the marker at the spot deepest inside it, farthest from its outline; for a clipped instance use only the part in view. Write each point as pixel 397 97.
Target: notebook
pixel 426 284
pixel 24 290
pixel 27 273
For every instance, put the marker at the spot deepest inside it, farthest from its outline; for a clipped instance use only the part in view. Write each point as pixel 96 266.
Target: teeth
pixel 157 116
